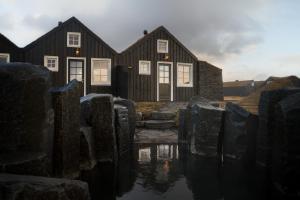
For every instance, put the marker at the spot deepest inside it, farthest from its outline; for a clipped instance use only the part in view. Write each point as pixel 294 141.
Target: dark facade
pixel 170 71
pixel 54 43
pixel 147 87
pixel 10 50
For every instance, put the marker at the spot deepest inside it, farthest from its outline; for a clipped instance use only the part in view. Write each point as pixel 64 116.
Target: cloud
pixel 206 27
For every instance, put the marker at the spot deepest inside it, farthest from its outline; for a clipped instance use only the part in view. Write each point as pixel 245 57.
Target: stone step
pixel 163 115
pixel 159 124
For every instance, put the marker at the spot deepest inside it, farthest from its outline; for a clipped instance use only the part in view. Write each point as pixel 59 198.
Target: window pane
pixel 79 77
pixel 72 77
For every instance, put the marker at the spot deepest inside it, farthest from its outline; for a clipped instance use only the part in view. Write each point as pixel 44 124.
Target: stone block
pixel 239 139
pixel 139 116
pixel 122 129
pixel 97 111
pixel 163 115
pixel 66 149
pixel 267 104
pixel 130 105
pixel 285 162
pixel 206 123
pixel 26 115
pixel 87 157
pixel 16 187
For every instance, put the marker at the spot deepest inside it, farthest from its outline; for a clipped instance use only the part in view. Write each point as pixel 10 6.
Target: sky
pixel 248 39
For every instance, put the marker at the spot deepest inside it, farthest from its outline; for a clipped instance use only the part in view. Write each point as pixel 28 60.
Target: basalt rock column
pixel 26 119
pixel 66 152
pixel 285 162
pixel 97 111
pixel 239 138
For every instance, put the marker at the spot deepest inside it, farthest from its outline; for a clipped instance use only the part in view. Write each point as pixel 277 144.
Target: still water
pixel 167 171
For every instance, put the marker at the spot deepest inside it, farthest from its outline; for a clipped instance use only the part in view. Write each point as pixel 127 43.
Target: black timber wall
pixel 144 87
pixel 210 81
pixel 6 46
pixel 54 43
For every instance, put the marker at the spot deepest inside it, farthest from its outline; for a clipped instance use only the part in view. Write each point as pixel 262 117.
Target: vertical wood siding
pixel 144 87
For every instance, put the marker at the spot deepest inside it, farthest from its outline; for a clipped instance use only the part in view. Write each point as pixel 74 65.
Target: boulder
pixel 130 105
pixel 26 117
pixel 285 162
pixel 206 123
pixel 15 187
pixel 239 136
pixel 97 111
pixel 66 104
pixel 139 116
pixel 182 132
pixel 122 129
pixel 87 156
pixel 267 103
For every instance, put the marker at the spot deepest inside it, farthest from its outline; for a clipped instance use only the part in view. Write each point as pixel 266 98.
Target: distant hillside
pixel 251 102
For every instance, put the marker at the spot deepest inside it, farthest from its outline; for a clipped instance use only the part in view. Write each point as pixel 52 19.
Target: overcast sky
pixel 248 39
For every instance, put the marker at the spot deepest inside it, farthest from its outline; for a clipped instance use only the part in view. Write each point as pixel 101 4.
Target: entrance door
pixel 76 71
pixel 164 72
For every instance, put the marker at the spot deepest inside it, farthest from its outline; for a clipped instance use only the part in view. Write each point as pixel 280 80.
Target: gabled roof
pixel 2 37
pixel 238 83
pixel 72 19
pixel 160 28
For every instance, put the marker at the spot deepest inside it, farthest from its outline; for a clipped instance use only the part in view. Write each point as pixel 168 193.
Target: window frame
pixel 107 83
pixel 145 73
pixel 7 56
pixel 79 39
pixel 167 46
pixel 191 75
pixel 46 57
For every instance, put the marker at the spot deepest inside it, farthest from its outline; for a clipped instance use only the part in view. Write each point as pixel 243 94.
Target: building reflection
pixel 157 166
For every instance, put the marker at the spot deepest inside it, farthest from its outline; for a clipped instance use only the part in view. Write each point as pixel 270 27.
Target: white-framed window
pixel 4 58
pixel 51 62
pixel 144 67
pixel 162 46
pixel 184 75
pixel 73 39
pixel 101 71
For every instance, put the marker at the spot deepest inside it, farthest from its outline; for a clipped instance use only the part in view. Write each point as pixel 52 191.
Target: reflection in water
pixel 167 171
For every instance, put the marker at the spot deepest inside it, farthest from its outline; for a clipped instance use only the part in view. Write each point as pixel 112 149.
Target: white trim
pixel 191 75
pixel 158 50
pixel 108 83
pixel 46 57
pixel 84 66
pixel 157 79
pixel 7 56
pixel 79 39
pixel 145 61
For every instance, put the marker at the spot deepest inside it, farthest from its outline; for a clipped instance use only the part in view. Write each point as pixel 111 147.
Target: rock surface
pixel 267 104
pixel 240 130
pixel 205 127
pixel 26 116
pixel 285 161
pixel 130 105
pixel 16 187
pixel 66 151
pixel 87 156
pixel 122 129
pixel 97 111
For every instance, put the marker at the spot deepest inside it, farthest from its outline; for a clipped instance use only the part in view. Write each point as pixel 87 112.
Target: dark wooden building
pixel 158 67
pixel 9 52
pixel 161 68
pixel 72 51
